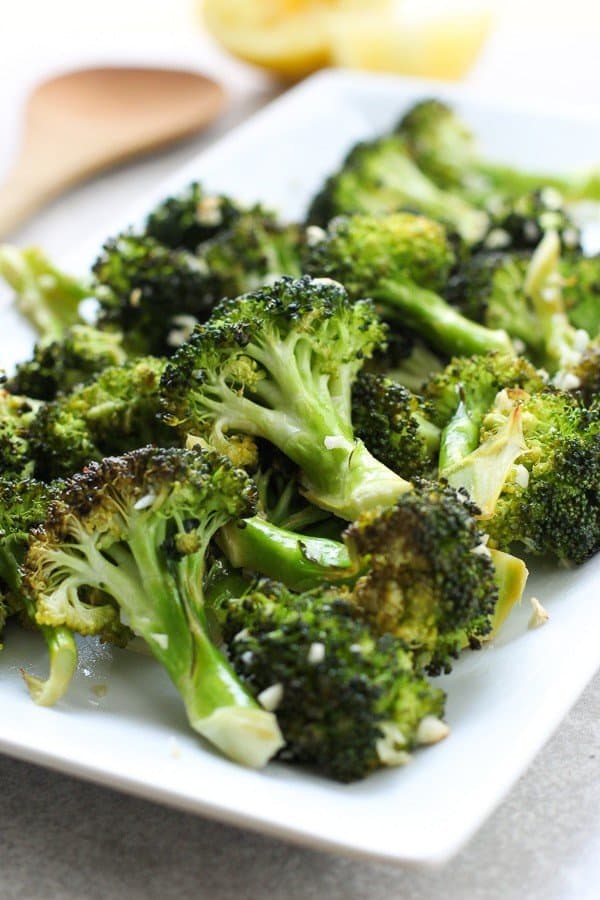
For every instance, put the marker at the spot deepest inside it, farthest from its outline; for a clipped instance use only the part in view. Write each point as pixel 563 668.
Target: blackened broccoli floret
pixel 152 294
pixel 191 217
pixel 59 365
pixel 347 702
pixel 430 580
pixel 395 425
pixel 136 529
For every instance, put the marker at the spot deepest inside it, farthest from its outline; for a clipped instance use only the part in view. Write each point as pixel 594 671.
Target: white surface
pixel 504 702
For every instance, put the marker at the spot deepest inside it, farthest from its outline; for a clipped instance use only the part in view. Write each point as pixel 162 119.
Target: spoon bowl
pixel 82 122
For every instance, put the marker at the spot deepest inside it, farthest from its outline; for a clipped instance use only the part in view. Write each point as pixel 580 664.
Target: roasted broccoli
pixel 61 364
pixel 279 364
pixel 395 425
pixel 549 497
pixel 527 454
pixel 444 147
pixel 581 291
pixel 520 224
pixel 430 580
pixel 191 217
pixel 254 251
pixel 152 294
pixel 135 529
pixel 115 412
pixel 49 298
pixel 23 505
pixel 401 261
pixel 419 569
pixel 16 416
pixel 523 295
pixel 380 177
pixel 347 702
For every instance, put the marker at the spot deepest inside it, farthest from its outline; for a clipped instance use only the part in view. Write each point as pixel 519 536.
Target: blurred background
pixel 533 50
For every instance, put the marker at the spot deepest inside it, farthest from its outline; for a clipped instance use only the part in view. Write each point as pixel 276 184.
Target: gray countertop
pixel 62 838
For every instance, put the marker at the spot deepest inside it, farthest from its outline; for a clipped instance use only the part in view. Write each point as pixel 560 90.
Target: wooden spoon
pixel 84 121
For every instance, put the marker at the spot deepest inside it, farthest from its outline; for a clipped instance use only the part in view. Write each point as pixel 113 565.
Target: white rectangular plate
pixel 503 702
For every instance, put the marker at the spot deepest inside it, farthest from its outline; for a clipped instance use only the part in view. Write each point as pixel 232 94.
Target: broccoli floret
pixel 191 217
pixel 24 504
pixel 151 293
pixel 430 580
pixel 420 570
pixel 60 364
pixel 444 147
pixel 401 261
pixel 254 251
pixel 136 529
pixel 550 499
pixel 380 177
pixel 489 288
pixel 47 297
pixel 586 374
pixel 115 412
pixel 395 425
pixel 474 382
pixel 524 296
pixel 279 364
pixel 16 416
pixel 520 224
pixel 581 291
pixel 347 702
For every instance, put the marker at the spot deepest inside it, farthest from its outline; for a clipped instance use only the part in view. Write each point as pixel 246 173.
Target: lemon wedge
pixel 290 37
pixel 443 47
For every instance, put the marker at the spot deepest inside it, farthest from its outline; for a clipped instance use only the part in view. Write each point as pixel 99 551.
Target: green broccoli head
pixel 347 702
pixel 395 425
pixel 550 502
pixel 45 295
pixel 279 364
pixel 430 580
pixel 61 364
pixel 586 374
pixel 581 291
pixel 16 416
pixel 132 534
pixel 380 177
pixel 401 260
pixel 441 144
pixel 191 217
pixel 253 252
pixel 151 293
pixel 360 251
pixel 116 412
pixel 475 381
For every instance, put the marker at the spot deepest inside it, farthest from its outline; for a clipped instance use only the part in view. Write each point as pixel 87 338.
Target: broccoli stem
pixel 510 576
pixel 441 325
pixel 349 480
pixel 62 655
pixel 300 561
pixel 217 705
pixel 46 296
pixel 460 437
